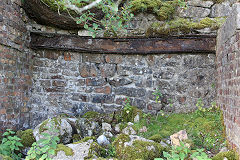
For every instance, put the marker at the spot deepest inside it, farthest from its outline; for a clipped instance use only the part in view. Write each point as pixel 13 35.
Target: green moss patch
pixel 61 147
pixel 27 137
pixel 182 26
pixel 204 129
pixel 138 150
pixel 85 140
pixel 156 138
pixel 230 155
pixel 163 10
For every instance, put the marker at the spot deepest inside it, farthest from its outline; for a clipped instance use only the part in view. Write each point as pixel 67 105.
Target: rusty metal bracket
pixel 136 45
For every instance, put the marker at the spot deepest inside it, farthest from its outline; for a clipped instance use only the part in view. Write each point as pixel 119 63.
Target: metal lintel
pixel 136 45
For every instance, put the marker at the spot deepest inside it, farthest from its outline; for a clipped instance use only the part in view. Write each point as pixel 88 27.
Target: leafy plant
pixel 111 152
pixel 127 107
pixel 10 144
pixel 44 147
pixel 158 95
pixel 114 20
pixel 182 152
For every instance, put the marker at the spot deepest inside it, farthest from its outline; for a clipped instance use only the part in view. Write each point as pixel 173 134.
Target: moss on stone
pixel 164 10
pixel 96 150
pixel 76 137
pixel 91 115
pixel 27 137
pixel 145 5
pixel 182 25
pixel 138 150
pixel 156 138
pixel 230 155
pixel 3 157
pixel 85 140
pixel 61 147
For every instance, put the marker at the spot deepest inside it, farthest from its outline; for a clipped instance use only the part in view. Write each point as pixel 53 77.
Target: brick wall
pixel 228 76
pixel 15 69
pixel 71 82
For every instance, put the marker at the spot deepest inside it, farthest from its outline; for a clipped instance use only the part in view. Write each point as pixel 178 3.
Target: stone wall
pixel 15 68
pixel 70 82
pixel 228 72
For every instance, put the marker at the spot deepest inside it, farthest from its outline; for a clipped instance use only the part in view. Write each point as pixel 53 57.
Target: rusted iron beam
pixel 174 44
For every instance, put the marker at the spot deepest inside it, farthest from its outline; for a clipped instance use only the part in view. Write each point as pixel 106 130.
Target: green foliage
pixel 111 152
pixel 114 19
pixel 127 107
pixel 10 144
pixel 158 95
pixel 44 147
pixel 182 152
pixel 3 157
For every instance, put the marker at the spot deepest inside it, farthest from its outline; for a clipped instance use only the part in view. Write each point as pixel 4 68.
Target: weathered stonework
pixel 73 83
pixel 228 73
pixel 15 67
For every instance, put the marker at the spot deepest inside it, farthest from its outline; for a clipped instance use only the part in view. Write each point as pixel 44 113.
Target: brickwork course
pixel 15 68
pixel 228 73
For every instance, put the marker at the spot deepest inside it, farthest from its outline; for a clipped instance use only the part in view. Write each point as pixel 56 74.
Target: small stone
pixel 108 134
pixel 106 127
pixel 163 144
pixel 129 131
pixel 178 137
pixel 102 140
pixel 117 128
pixel 136 118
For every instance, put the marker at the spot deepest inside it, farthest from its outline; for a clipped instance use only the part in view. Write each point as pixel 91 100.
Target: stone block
pixel 119 81
pixel 88 70
pixel 107 70
pixel 99 98
pixel 130 92
pixel 200 3
pixel 193 12
pixel 95 81
pixel 221 10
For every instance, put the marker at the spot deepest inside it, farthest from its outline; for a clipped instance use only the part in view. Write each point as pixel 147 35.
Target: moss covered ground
pixel 204 128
